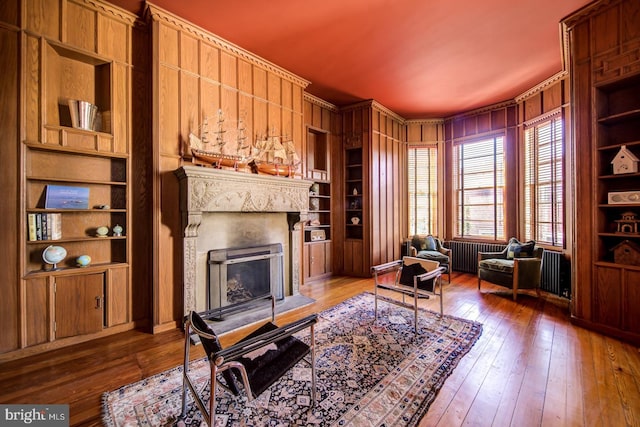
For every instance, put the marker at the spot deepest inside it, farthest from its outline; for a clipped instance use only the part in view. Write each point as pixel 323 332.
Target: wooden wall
pixel 196 73
pixel 9 176
pixel 387 175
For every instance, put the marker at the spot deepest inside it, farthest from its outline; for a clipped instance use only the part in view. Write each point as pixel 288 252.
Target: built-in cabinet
pixel 319 117
pixel 606 102
pixel 373 185
pixel 75 177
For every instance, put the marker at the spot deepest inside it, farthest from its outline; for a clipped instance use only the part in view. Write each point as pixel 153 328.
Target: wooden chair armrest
pixel 445 251
pixel 393 265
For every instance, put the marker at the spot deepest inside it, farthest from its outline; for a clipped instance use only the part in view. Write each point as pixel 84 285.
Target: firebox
pixel 239 275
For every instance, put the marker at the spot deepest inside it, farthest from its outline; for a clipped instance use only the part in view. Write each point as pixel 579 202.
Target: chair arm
pixel 444 251
pixel 247 346
pixel 529 270
pixel 392 265
pixel 491 255
pixel 431 274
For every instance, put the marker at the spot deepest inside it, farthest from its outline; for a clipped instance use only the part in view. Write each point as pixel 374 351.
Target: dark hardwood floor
pixel 530 367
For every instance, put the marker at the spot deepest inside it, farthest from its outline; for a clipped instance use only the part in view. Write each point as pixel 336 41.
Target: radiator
pixel 555 268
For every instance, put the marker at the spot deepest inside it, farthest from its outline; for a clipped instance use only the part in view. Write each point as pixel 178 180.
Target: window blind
pixel 423 189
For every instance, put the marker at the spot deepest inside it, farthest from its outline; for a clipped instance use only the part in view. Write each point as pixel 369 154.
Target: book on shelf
pixel 31 223
pixel 38 227
pixel 55 225
pixel 44 226
pixel 46 235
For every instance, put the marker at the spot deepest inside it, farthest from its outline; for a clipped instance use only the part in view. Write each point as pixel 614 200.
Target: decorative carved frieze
pixel 217 190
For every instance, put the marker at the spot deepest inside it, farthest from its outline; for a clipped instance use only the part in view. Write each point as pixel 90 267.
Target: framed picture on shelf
pixel 66 197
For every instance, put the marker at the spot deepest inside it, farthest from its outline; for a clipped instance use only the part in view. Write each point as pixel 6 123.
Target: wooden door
pixel 79 305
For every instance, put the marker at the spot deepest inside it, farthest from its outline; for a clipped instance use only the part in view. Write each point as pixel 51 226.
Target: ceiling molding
pixel 542 86
pixel 377 106
pixel 485 109
pixel 424 122
pixel 157 13
pixel 584 12
pixel 319 102
pixel 116 11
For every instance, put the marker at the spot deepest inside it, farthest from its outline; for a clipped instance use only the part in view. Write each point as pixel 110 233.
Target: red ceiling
pixel 419 58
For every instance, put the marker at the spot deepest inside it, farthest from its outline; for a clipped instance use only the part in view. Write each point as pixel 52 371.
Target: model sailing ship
pixel 274 155
pixel 271 154
pixel 212 151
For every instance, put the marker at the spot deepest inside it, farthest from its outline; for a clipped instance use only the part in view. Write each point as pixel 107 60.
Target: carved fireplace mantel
pixel 205 190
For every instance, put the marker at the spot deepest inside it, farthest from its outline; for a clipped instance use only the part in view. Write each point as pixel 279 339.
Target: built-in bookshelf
pixel 353 196
pixel 75 182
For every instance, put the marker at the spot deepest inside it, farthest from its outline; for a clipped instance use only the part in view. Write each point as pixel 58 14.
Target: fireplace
pixel 224 209
pixel 242 275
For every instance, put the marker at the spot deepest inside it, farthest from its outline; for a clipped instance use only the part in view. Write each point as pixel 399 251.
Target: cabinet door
pixel 631 301
pixel 79 304
pixel 608 296
pixel 317 260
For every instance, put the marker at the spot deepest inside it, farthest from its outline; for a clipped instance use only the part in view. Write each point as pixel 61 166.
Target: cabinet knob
pixel 98 302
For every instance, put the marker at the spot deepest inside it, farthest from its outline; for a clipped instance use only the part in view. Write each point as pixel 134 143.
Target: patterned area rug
pixel 368 374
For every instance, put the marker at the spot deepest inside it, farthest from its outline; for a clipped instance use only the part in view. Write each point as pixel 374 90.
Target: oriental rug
pixel 369 373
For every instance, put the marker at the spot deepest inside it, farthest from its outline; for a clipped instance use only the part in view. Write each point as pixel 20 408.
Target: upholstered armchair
pixel 518 266
pixel 430 247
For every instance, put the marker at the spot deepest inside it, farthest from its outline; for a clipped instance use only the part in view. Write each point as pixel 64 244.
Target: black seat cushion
pixel 409 271
pixel 264 369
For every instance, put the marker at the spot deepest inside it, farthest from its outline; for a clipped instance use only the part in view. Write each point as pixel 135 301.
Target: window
pixel 423 189
pixel 478 171
pixel 543 186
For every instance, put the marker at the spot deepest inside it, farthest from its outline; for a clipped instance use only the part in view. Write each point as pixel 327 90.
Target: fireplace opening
pixel 244 275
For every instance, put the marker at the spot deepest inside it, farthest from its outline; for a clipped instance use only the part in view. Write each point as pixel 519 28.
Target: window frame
pixel 498 187
pixel 433 193
pixel 530 222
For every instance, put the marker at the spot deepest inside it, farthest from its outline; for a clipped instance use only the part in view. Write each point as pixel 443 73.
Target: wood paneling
pixel 9 153
pixel 79 26
pixel 37 311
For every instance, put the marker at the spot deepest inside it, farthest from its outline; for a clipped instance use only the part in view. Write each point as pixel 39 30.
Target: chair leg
pixel 375 297
pixel 415 305
pixel 441 295
pixel 212 400
pixel 313 367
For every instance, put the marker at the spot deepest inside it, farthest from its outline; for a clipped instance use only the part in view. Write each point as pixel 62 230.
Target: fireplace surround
pixel 225 208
